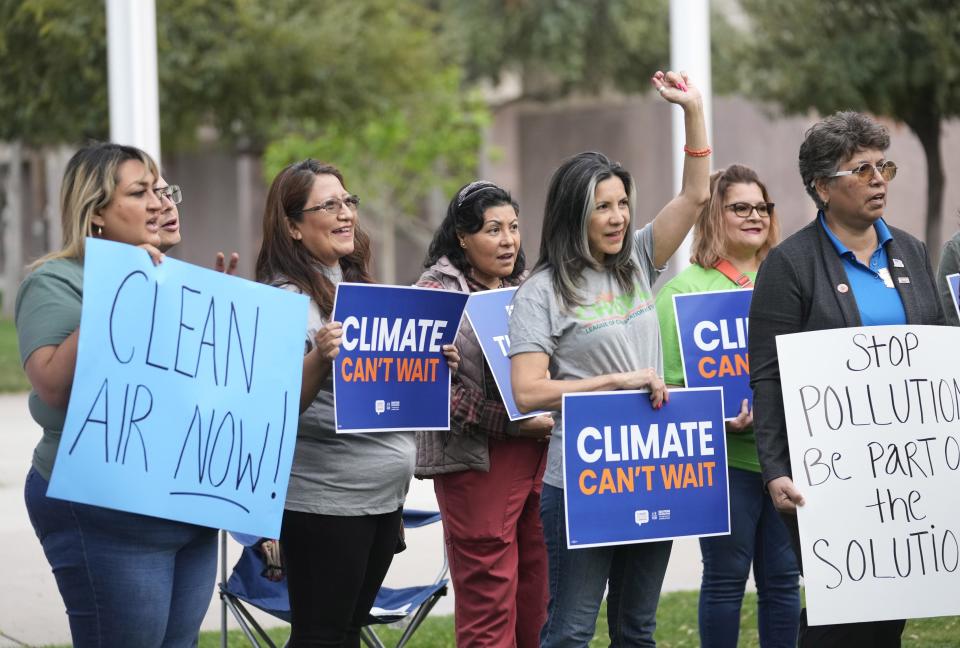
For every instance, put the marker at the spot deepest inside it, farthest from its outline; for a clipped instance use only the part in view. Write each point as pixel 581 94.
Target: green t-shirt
pixel 742 447
pixel 47 312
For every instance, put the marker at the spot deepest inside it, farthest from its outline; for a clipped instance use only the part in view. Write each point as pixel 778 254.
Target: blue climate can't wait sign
pixel 636 474
pixel 390 373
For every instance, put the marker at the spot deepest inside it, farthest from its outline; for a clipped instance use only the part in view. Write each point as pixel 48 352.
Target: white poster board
pixel 873 419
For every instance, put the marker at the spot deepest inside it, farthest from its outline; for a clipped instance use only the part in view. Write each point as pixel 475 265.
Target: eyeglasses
pixel 170 192
pixel 865 171
pixel 333 206
pixel 744 209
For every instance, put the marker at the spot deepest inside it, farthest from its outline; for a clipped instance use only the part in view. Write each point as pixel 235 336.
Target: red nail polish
pixel 682 86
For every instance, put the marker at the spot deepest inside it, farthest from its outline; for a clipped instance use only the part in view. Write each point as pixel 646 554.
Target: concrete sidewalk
pixel 32 613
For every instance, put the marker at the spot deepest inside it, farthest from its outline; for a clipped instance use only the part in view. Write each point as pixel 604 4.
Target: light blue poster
pixel 954 282
pixel 391 373
pixel 712 328
pixel 489 315
pixel 635 474
pixel 186 393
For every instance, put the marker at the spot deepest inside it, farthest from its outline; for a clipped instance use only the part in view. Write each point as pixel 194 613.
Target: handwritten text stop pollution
pixel 873 419
pixel 634 474
pixel 391 373
pixel 184 400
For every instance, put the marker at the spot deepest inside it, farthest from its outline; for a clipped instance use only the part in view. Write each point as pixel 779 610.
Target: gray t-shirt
pixel 611 331
pixel 47 312
pixel 344 474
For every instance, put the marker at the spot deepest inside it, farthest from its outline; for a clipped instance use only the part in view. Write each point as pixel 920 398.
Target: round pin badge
pixel 842 288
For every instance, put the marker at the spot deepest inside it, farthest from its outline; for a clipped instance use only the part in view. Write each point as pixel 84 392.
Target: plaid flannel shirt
pixel 471 409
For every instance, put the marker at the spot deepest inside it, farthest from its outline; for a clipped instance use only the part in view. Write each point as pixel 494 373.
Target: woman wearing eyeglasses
pixel 731 237
pixel 342 517
pixel 170 196
pixel 846 268
pixel 949 264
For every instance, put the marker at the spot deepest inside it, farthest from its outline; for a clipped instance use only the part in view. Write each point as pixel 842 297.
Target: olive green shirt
pixel 47 312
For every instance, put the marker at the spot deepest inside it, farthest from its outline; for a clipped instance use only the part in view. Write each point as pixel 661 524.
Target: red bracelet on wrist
pixel 704 152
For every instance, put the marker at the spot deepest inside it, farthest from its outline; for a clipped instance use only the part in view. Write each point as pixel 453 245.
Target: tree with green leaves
pixel 561 47
pixel 395 160
pixel 892 58
pixel 564 45
pixel 251 70
pixel 365 84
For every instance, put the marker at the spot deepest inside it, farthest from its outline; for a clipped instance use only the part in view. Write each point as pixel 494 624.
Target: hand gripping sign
pixel 391 373
pixel 185 397
pixel 636 474
pixel 873 421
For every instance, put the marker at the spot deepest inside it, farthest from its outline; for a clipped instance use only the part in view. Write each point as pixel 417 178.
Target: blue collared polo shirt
pixel 878 302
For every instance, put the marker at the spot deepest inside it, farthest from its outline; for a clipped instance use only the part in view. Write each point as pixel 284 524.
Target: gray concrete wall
pixel 532 139
pixel 224 194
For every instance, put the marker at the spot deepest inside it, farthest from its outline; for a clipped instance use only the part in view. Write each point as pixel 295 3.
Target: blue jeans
pixel 578 578
pixel 758 536
pixel 126 579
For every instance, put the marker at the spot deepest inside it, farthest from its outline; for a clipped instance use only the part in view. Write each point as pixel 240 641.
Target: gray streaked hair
pixel 834 139
pixel 564 243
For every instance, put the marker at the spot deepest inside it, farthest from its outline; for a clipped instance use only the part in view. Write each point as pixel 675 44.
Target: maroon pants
pixel 494 538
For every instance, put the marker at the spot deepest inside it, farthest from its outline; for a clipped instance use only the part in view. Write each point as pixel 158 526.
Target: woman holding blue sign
pixel 847 268
pixel 125 579
pixel 733 234
pixel 949 265
pixel 487 471
pixel 587 316
pixel 342 517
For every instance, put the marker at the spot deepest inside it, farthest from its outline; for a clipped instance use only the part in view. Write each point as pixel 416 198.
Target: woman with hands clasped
pixel 487 471
pixel 846 268
pixel 342 517
pixel 733 234
pixel 564 339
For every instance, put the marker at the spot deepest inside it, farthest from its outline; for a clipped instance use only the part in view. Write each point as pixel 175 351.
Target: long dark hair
pixel 564 245
pixel 282 258
pixel 465 216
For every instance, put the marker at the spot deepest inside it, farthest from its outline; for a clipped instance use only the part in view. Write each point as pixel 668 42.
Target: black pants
pixel 335 566
pixel 875 634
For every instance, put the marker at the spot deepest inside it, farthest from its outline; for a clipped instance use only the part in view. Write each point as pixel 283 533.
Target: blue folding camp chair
pixel 247 584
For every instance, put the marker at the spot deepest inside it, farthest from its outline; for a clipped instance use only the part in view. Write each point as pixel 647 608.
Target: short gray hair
pixel 834 139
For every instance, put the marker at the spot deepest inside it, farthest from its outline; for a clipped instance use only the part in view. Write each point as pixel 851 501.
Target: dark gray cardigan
pixel 796 291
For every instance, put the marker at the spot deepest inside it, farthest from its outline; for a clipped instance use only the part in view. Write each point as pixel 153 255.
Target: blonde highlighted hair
pixel 89 184
pixel 709 233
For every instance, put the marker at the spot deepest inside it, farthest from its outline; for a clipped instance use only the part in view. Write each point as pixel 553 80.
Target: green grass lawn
pixel 12 378
pixel 676 628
